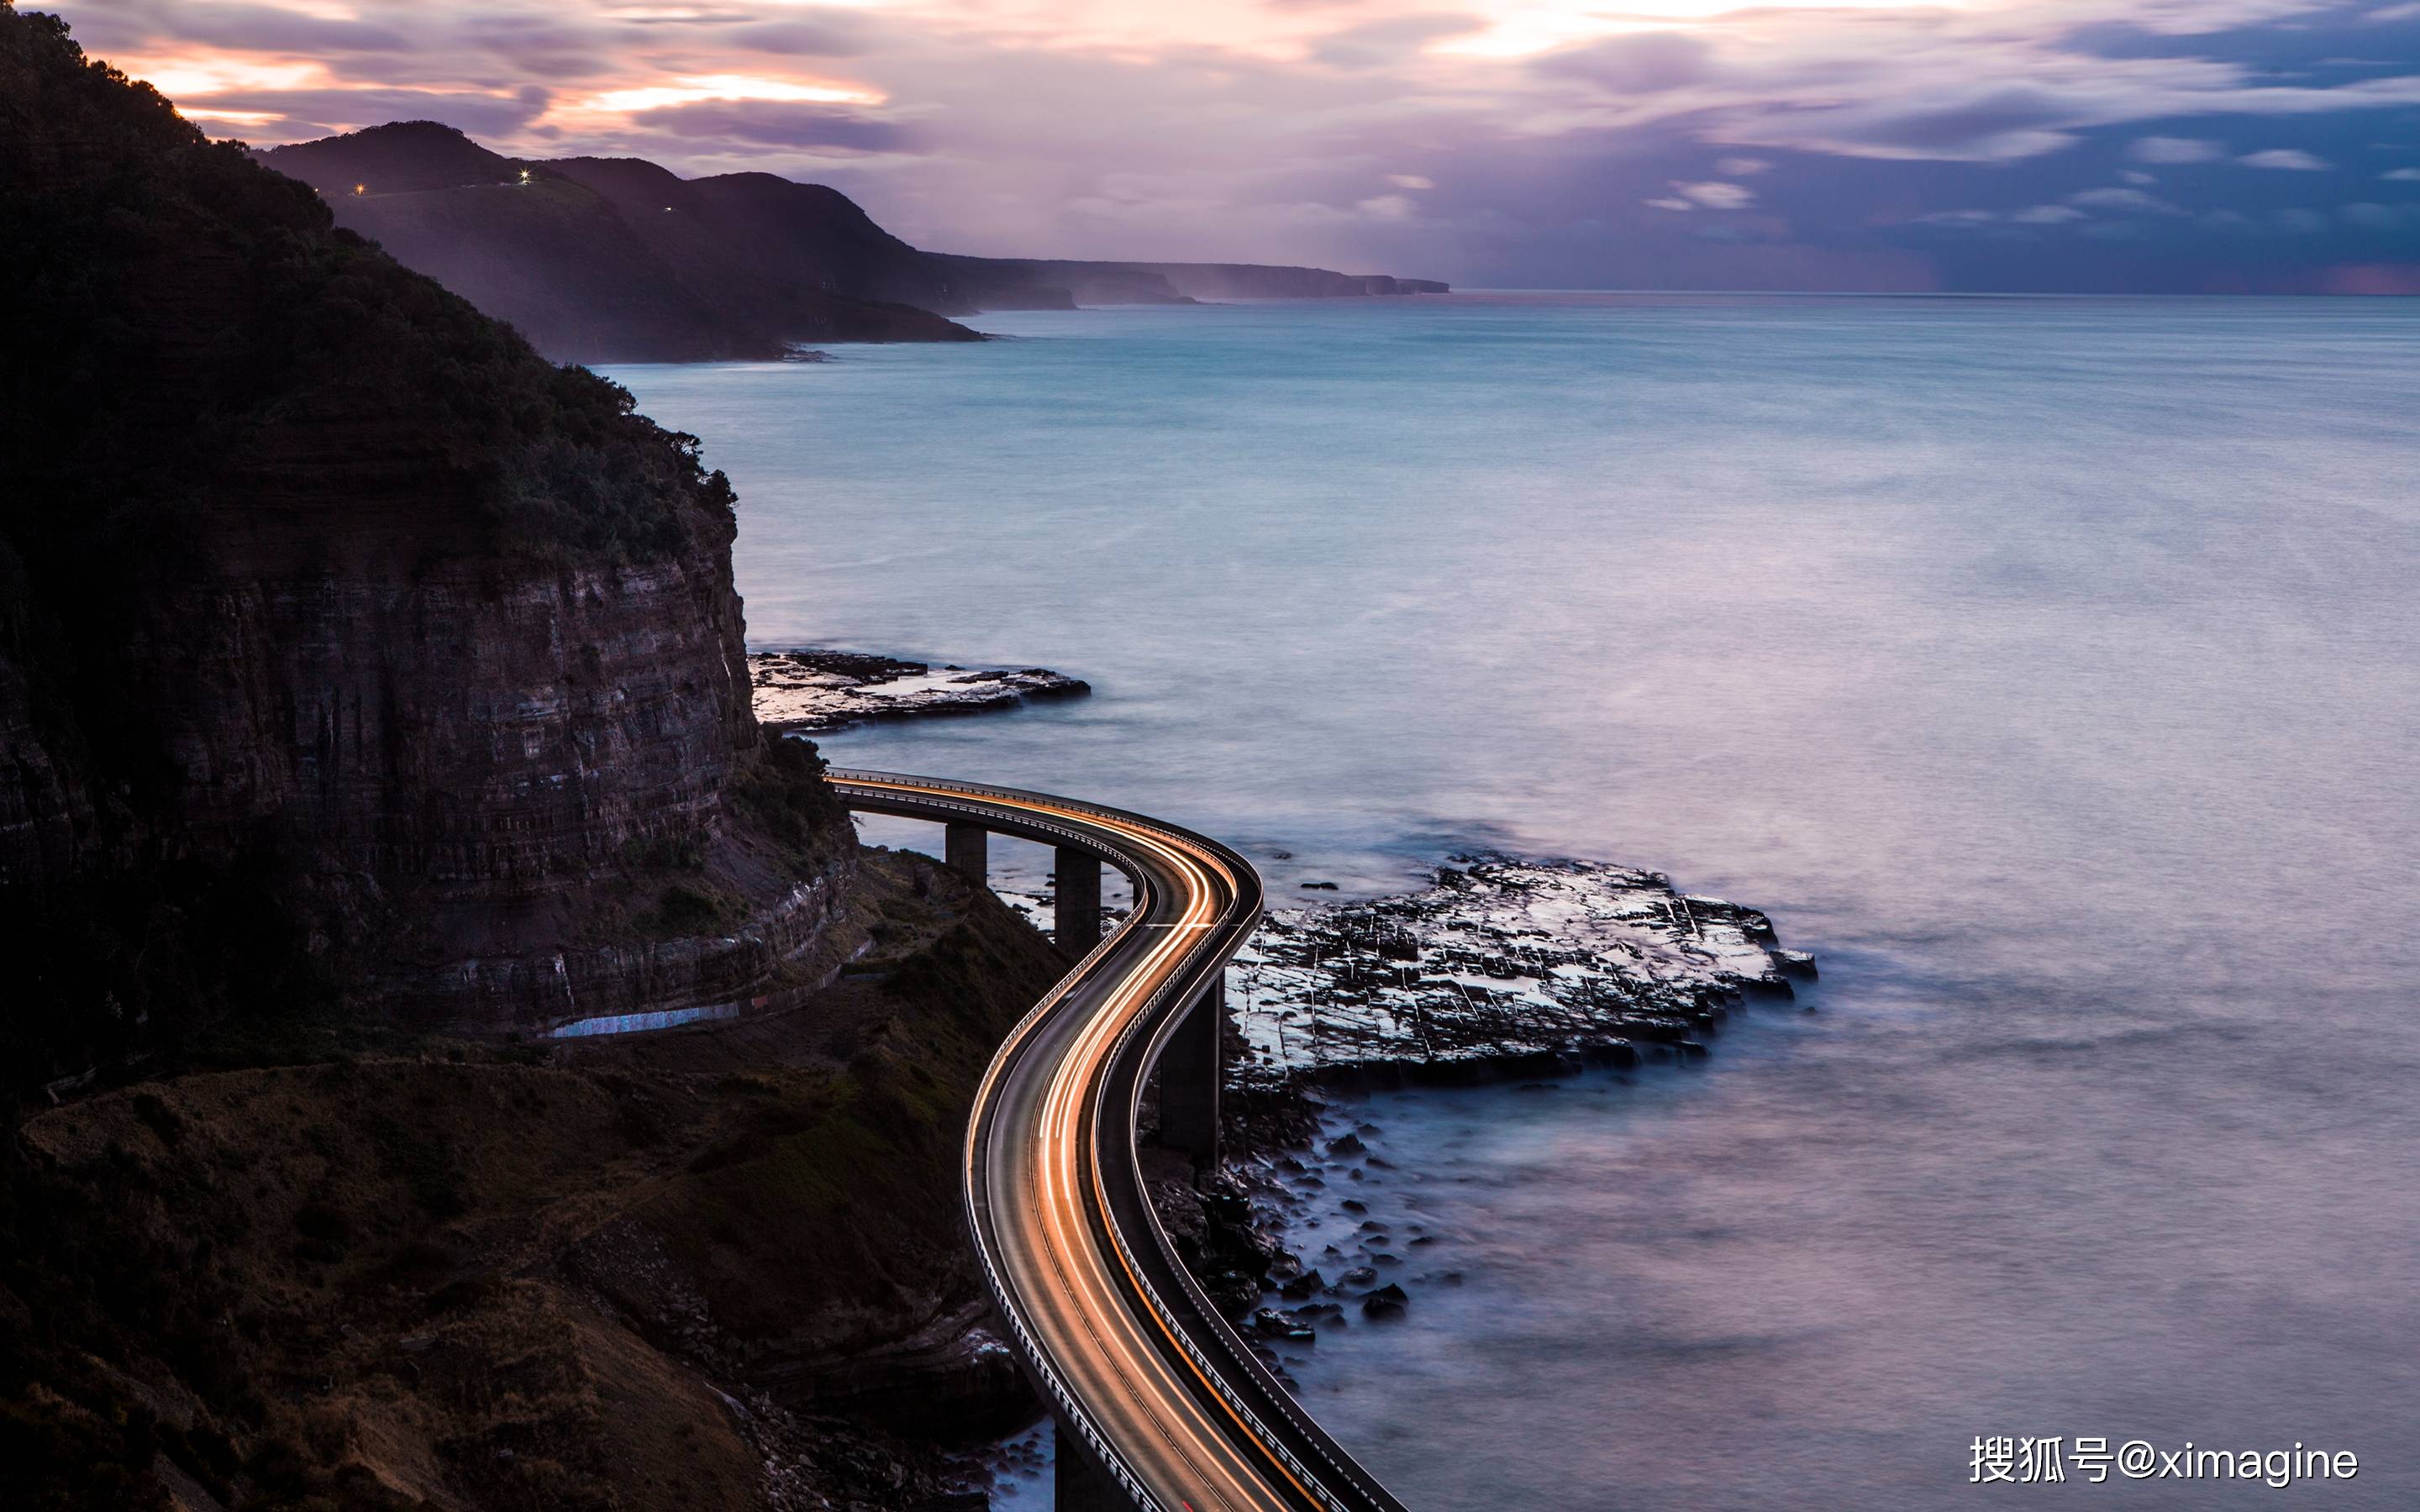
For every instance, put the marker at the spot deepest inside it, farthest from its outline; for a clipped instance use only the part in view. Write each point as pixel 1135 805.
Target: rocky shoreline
pixel 810 691
pixel 1503 967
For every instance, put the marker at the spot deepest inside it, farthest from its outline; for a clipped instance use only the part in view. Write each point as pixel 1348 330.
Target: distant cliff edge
pixel 1107 283
pixel 604 259
pixel 351 651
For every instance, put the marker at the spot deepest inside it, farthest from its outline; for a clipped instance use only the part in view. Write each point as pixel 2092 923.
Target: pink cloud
pixel 1351 133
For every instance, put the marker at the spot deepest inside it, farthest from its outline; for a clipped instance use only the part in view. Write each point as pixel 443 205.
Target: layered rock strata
pixel 351 652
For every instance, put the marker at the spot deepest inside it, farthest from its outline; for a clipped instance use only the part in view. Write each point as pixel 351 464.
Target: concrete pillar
pixel 963 846
pixel 1079 1482
pixel 1189 1072
pixel 1079 913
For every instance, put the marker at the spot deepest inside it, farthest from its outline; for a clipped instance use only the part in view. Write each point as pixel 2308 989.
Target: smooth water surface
pixel 2052 667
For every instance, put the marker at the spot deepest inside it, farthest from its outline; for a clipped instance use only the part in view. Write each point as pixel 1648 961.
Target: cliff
pixel 598 259
pixel 1115 283
pixel 771 242
pixel 620 259
pixel 353 657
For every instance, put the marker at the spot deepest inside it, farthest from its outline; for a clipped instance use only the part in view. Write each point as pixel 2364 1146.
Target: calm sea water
pixel 2052 667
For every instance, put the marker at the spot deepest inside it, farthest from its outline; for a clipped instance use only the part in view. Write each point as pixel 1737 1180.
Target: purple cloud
pixel 2055 144
pixel 2293 159
pixel 779 124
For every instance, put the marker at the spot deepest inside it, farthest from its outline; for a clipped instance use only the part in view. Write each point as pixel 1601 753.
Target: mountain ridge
pixel 620 259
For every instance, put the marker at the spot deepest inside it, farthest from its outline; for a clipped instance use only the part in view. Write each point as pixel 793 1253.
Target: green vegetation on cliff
pixel 170 301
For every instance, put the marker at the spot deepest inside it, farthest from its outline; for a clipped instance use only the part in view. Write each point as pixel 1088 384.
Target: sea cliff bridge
pixel 1160 1403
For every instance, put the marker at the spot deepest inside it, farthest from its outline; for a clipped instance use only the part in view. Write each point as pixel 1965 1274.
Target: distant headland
pixel 618 259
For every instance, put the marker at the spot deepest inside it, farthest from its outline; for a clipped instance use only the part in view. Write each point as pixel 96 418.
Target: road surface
pixel 1136 1361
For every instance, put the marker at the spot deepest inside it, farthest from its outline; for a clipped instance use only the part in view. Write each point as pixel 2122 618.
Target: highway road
pixel 1170 1402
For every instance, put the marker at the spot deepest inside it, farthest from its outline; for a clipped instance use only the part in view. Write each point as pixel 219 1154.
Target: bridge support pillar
pixel 1189 1072
pixel 1079 1482
pixel 965 847
pixel 1078 909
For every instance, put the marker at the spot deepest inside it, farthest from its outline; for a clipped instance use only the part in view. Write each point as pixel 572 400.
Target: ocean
pixel 2049 667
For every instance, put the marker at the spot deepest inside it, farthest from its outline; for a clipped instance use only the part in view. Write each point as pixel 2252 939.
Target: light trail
pixel 1136 1362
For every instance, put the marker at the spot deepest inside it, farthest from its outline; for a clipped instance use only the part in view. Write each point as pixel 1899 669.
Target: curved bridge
pixel 1160 1405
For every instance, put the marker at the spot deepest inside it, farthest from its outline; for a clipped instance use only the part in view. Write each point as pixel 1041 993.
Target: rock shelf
pixel 1501 962
pixel 1501 967
pixel 808 691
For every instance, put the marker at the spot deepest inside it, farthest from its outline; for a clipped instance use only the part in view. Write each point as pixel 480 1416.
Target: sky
pixel 2116 146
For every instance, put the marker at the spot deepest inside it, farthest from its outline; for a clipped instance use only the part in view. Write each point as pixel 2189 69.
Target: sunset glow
pixel 1518 30
pixel 231 118
pixel 1497 141
pixel 204 75
pixel 689 91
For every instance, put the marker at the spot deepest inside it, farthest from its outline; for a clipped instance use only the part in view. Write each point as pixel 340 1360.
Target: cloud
pixel 779 124
pixel 830 35
pixel 1647 64
pixel 2174 149
pixel 2117 198
pixel 301 114
pixel 692 88
pixel 1381 43
pixel 1716 196
pixel 1572 145
pixel 2293 159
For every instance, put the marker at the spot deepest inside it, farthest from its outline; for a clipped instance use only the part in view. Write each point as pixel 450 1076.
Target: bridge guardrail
pixel 977 1212
pixel 1207 960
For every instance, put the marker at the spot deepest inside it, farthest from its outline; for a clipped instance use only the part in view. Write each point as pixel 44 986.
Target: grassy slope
pixel 462 1277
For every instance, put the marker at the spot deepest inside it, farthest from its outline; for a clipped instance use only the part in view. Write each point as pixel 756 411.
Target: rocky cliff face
pixel 350 652
pixel 489 771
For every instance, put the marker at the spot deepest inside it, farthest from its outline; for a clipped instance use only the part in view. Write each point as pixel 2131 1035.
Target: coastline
pixel 1834 688
pixel 1504 969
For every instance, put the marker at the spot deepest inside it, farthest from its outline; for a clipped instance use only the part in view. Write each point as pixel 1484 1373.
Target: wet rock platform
pixel 1501 965
pixel 811 690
